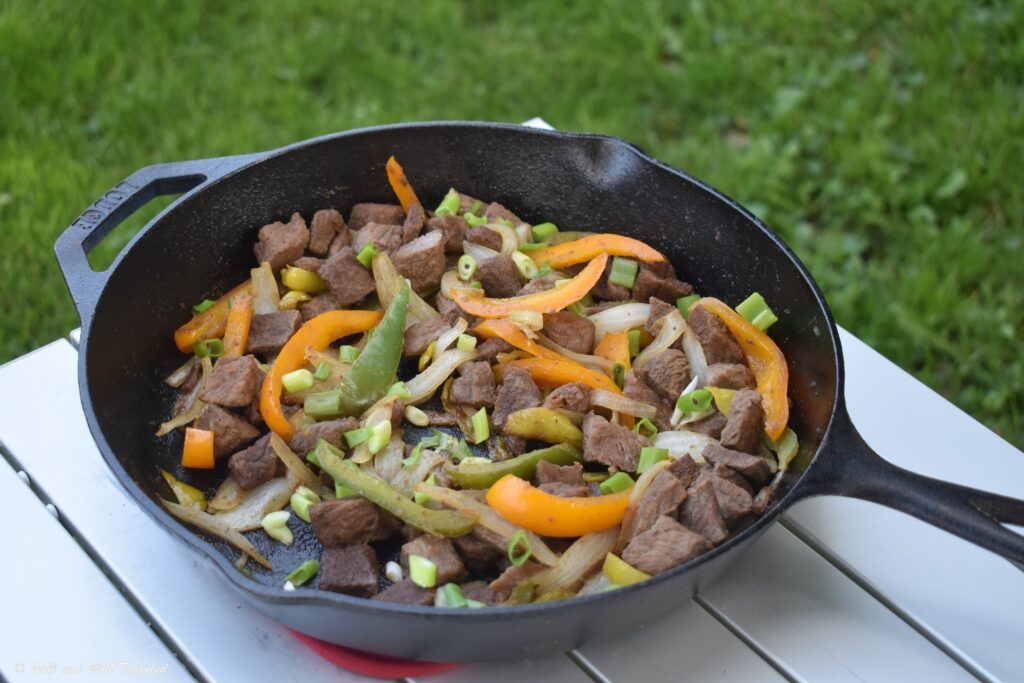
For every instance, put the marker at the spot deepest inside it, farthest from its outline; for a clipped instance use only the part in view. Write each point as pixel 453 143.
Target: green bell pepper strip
pixel 480 476
pixel 436 522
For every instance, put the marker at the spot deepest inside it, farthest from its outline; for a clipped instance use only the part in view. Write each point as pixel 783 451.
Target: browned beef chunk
pixel 453 228
pixel 282 243
pixel 734 501
pixel 712 425
pixel 331 431
pixel 367 212
pixel 479 591
pixel 255 465
pixel 756 469
pixel 610 444
pixel 700 512
pixel 517 392
pixel 542 283
pixel 718 343
pixel 347 279
pixel 341 240
pixel 569 330
pixel 475 387
pixel 730 376
pixel 326 226
pixel 606 291
pixel 563 490
pixel 351 569
pixel 516 445
pixel 549 473
pixel 446 307
pixel 350 520
pixel 439 418
pixel 762 500
pixel 385 238
pixel 321 303
pixel 269 332
pixel 422 261
pixel 729 474
pixel 494 211
pixel 650 284
pixel 635 388
pixel 407 593
pixel 502 586
pixel 659 309
pixel 488 351
pixel 414 221
pixel 667 373
pixel 484 236
pixel 419 336
pixel 746 422
pixel 663 497
pixel 310 263
pixel 481 550
pixel 499 276
pixel 574 396
pixel 664 545
pixel 234 383
pixel 441 552
pixel 466 203
pixel 230 432
pixel 685 470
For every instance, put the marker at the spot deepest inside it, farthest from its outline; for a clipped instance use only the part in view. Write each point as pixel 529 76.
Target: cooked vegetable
pixel 579 561
pixel 398 389
pixel 209 348
pixel 592 247
pixel 481 428
pixel 617 483
pixel 695 356
pixel 323 371
pixel 519 549
pixel 303 573
pixel 549 515
pixel 645 428
pixel 502 329
pixel 543 424
pixel 212 525
pixel 620 572
pixel 509 242
pixel 527 268
pixel 471 475
pixel 466 342
pixel 294 463
pixel 189 496
pixel 755 311
pixel 422 571
pixel 400 184
pixel 389 282
pixel 543 231
pixel 623 272
pixel 210 323
pixel 265 295
pixel 680 443
pixel 467 267
pixel 595 363
pixel 380 434
pixel 178 377
pixel 348 354
pixel 422 386
pixel 291 300
pixel 450 595
pixel 236 332
pixel 615 347
pixel 694 402
pixel 202 306
pixel 198 449
pixel 270 496
pixel 650 455
pixel 619 318
pixel 301 500
pixel 548 372
pixel 671 328
pixel 622 404
pixel 449 336
pixel 298 380
pixel 723 399
pixel 393 571
pixel 276 526
pixel 366 254
pixel 449 206
pixel 785 448
pixel 302 280
pixel 684 303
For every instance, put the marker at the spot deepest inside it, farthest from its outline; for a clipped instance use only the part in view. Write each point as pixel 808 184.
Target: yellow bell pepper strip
pixel 318 333
pixel 236 332
pixel 210 323
pixel 765 360
pixel 550 373
pixel 503 329
pixel 587 248
pixel 546 514
pixel 400 184
pixel 620 572
pixel 549 301
pixel 198 450
pixel 189 496
pixel 543 424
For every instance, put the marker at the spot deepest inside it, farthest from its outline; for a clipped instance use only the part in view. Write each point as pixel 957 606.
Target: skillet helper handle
pixel 849 467
pixel 116 205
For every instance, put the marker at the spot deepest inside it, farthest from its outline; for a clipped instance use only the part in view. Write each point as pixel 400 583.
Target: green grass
pixel 885 142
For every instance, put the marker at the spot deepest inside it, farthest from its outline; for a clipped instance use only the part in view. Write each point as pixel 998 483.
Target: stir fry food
pixel 468 410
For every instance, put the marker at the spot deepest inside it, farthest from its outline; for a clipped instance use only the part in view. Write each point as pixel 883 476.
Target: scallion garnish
pixel 380 434
pixel 311 457
pixel 400 390
pixel 519 550
pixel 619 374
pixel 683 304
pixel 214 348
pixel 425 442
pixel 203 306
pixel 617 483
pixel 634 342
pixel 696 401
pixel 449 206
pixel 467 267
pixel 623 272
pixel 366 254
pixel 348 354
pixel 301 500
pixel 303 573
pixel 323 371
pixel 450 595
pixel 756 312
pixel 476 284
pixel 473 220
pixel 527 268
pixel 543 271
pixel 462 450
pixel 481 428
pixel 648 456
pixel 355 437
pixel 297 380
pixel 533 246
pixel 467 342
pixel 542 231
pixel 322 405
pixel 477 205
pixel 342 491
pixel 422 571
pixel 647 426
pixel 422 498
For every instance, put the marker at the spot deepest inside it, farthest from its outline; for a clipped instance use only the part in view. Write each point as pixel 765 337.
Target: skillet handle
pixel 847 466
pixel 110 210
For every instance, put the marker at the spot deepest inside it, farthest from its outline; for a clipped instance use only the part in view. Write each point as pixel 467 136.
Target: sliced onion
pixel 619 319
pixel 450 282
pixel 193 406
pixel 377 413
pixel 448 337
pixel 270 496
pixel 524 232
pixel 596 584
pixel 463 415
pixel 638 491
pixel 683 442
pixel 210 524
pixel 423 385
pixel 389 281
pixel 578 562
pixel 479 252
pixel 622 404
pixel 677 415
pixel 509 239
pixel 178 377
pixel 602 365
pixel 405 479
pixel 487 517
pixel 265 295
pixel 294 463
pixel 529 322
pixel 670 328
pixel 228 495
pixel 695 355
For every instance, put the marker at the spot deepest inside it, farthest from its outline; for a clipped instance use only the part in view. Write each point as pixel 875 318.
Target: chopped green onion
pixel 400 390
pixel 342 491
pixel 785 448
pixel 619 374
pixel 214 348
pixel 623 272
pixel 506 222
pixel 542 231
pixel 276 526
pixel 414 456
pixel 416 416
pixel 323 371
pixel 451 596
pixel 543 271
pixel 683 304
pixel 462 450
pixel 648 426
pixel 202 306
pixel 476 284
pixel 357 436
pixel 473 220
pixel 449 206
pixel 311 457
pixel 475 604
pixel 297 380
pixel 467 342
pixel 648 456
pixel 467 267
pixel 422 498
pixel 519 549
pixel 303 573
pixel 422 571
pixel 617 483
pixel 696 401
pixel 366 254
pixel 533 246
pixel 380 434
pixel 348 354
pixel 527 268
pixel 322 405
pixel 477 205
pixel 634 342
pixel 756 312
pixel 481 428
pixel 301 500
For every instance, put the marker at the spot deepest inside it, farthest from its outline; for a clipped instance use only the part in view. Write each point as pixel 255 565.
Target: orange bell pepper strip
pixel 198 450
pixel 549 301
pixel 551 373
pixel 210 323
pixel 236 332
pixel 765 360
pixel 546 514
pixel 589 247
pixel 317 333
pixel 615 347
pixel 502 329
pixel 400 184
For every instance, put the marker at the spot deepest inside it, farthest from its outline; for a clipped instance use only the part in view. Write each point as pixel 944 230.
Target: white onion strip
pixel 423 385
pixel 265 296
pixel 178 377
pixel 479 252
pixel 509 239
pixel 602 365
pixel 622 404
pixel 671 327
pixel 448 337
pixel 270 496
pixel 210 524
pixel 294 463
pixel 695 355
pixel 389 281
pixel 619 319
pixel 683 442
pixel 579 561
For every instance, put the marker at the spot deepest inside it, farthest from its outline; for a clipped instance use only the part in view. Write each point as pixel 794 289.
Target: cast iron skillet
pixel 202 244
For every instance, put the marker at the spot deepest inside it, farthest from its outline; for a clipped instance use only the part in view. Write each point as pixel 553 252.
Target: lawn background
pixel 883 141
